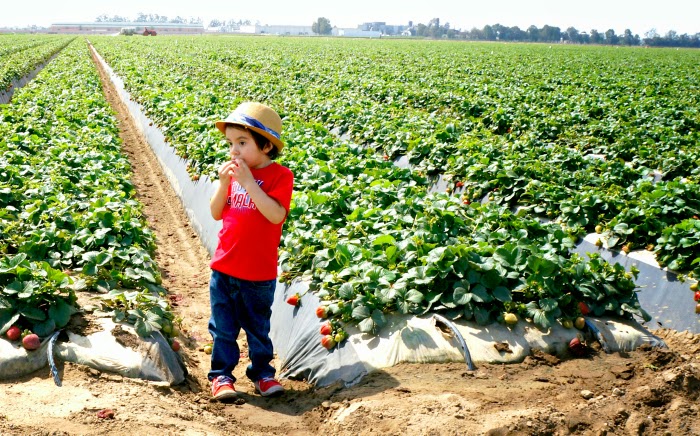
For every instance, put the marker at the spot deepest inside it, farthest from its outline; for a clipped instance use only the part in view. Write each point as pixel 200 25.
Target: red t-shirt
pixel 248 242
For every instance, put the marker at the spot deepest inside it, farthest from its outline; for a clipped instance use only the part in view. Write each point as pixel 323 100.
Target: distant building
pixel 112 28
pixel 276 30
pixel 356 33
pixel 385 29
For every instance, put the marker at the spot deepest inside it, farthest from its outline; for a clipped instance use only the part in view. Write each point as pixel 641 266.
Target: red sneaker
pixel 268 386
pixel 222 388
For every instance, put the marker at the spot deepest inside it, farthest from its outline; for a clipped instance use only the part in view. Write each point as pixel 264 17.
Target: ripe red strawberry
pixel 576 347
pixel 328 342
pixel 322 312
pixel 583 307
pixel 697 298
pixel 31 342
pixel 294 299
pixel 326 328
pixel 459 184
pixel 13 333
pixel 175 345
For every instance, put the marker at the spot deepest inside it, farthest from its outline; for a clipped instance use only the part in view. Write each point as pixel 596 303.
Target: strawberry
pixel 294 299
pixel 328 342
pixel 13 333
pixel 31 342
pixel 510 318
pixel 326 328
pixel 459 184
pixel 322 312
pixel 175 345
pixel 583 307
pixel 576 347
pixel 697 298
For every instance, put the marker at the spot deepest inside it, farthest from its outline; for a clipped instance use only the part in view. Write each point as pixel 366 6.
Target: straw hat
pixel 256 117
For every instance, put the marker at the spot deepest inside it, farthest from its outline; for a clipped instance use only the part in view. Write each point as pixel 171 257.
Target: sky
pixel 639 16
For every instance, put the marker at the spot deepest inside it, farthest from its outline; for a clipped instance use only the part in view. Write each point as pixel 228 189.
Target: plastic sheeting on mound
pixel 296 337
pixel 6 96
pixel 667 299
pixel 148 358
pixel 193 195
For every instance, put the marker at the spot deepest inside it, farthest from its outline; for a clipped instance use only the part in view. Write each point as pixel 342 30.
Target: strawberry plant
pixel 563 138
pixel 68 216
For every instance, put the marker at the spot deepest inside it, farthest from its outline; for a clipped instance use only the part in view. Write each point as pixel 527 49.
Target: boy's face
pixel 243 147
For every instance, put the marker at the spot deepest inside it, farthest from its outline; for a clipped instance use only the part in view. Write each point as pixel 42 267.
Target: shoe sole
pixel 226 395
pixel 278 390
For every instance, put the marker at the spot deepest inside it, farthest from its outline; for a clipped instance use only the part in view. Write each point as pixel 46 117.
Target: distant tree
pixel 572 35
pixel 628 39
pixel 518 34
pixel 596 37
pixel 102 18
pixel 488 33
pixel 610 37
pixel 141 17
pixel 421 29
pixel 322 26
pixel 215 23
pixel 585 37
pixel 550 33
pixel 533 33
pixel 475 34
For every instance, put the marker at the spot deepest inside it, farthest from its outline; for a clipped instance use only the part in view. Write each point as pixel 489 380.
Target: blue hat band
pixel 252 122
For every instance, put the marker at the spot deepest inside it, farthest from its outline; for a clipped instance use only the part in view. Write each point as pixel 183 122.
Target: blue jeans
pixel 240 304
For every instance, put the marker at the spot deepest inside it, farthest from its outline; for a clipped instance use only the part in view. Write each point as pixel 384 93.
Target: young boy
pixel 253 200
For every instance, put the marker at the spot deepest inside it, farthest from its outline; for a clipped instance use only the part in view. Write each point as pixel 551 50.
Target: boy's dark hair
pixel 262 141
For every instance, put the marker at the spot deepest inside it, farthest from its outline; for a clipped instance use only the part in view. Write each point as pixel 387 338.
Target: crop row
pixel 69 220
pixel 20 55
pixel 369 236
pixel 576 134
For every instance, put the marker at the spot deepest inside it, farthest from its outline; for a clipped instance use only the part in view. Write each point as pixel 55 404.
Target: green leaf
pixel 367 325
pixel 143 328
pixel 481 294
pixel 461 296
pixel 60 313
pixel 361 312
pixel 384 239
pixel 32 313
pixel 10 263
pixel 502 294
pixel 415 296
pixel 346 291
pixel 7 319
pixel 44 328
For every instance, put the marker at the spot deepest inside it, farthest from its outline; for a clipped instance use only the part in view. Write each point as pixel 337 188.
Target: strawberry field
pixel 538 146
pixel 68 219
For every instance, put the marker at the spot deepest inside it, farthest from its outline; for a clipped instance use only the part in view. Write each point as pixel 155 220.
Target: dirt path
pixel 647 391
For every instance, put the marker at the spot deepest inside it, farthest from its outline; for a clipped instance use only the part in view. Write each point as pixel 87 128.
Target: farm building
pixel 111 28
pixel 356 33
pixel 276 29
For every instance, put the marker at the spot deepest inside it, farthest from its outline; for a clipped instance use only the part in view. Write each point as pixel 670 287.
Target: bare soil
pixel 644 392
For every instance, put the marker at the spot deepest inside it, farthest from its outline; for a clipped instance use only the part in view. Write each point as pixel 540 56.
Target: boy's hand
pixel 240 172
pixel 225 173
